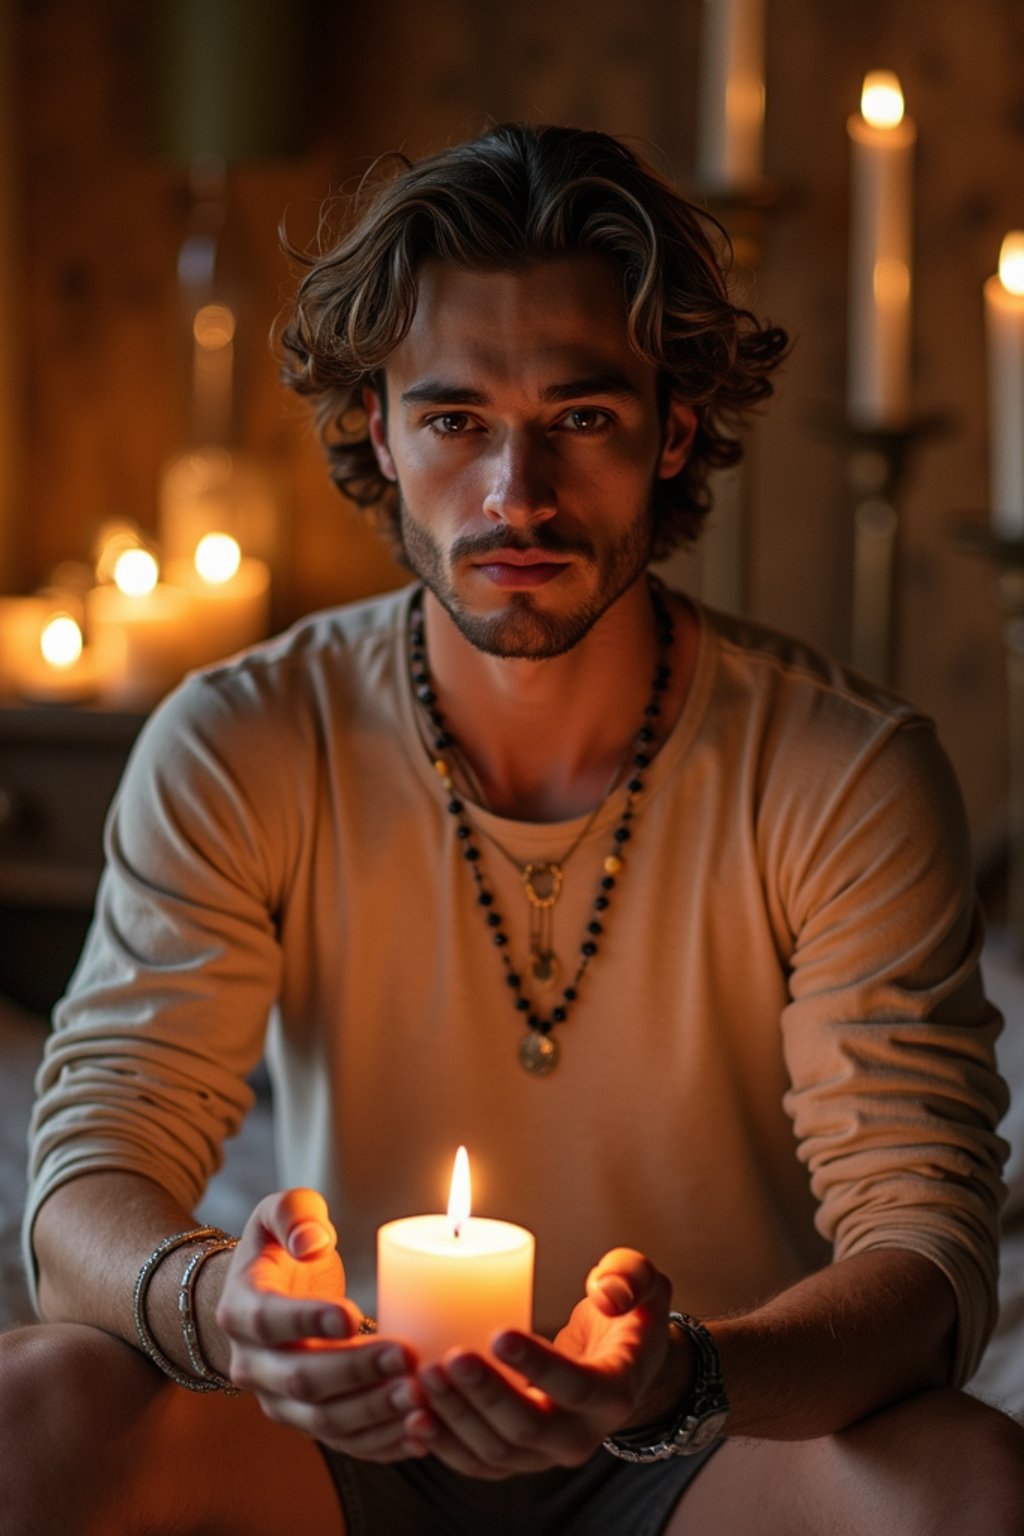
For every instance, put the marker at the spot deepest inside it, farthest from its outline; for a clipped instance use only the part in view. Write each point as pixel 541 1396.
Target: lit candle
pixel 21 624
pixel 1004 323
pixel 731 125
pixel 456 1280
pixel 882 151
pixel 231 596
pixel 61 670
pixel 144 626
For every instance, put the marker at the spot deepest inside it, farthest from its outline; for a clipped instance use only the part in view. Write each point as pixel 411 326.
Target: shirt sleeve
pixel 145 1069
pixel 895 1097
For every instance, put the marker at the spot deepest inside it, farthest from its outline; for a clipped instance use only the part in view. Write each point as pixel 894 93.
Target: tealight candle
pixel 453 1281
pixel 882 149
pixel 1004 323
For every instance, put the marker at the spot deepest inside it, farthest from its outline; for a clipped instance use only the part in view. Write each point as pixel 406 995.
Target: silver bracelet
pixel 147 1343
pixel 189 1329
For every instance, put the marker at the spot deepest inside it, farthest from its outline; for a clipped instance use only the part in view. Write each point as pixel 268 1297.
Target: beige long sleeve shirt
pixel 780 1054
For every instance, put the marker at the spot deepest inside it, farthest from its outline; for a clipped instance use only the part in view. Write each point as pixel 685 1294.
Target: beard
pixel 524 630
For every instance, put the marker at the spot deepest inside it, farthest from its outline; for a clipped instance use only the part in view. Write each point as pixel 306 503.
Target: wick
pixel 457 1229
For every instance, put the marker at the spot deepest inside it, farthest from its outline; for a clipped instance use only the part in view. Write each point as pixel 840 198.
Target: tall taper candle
pixel 1004 324
pixel 882 151
pixel 731 127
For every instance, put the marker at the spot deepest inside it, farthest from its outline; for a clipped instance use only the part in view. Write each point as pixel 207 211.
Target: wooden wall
pixel 99 218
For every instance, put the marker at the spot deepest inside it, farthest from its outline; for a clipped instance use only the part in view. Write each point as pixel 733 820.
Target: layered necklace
pixel 542 880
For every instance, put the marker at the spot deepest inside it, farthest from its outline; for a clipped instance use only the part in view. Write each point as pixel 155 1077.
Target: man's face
pixel 525 438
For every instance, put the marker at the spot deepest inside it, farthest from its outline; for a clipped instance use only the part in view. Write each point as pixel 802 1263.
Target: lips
pixel 521 568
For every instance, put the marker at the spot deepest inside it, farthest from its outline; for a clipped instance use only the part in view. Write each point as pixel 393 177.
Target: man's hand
pixel 294 1337
pixel 616 1363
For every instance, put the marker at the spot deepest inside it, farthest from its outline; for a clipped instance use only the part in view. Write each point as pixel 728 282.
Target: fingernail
pixel 467 1370
pixel 403 1397
pixel 617 1291
pixel 392 1362
pixel 334 1324
pixel 307 1238
pixel 510 1348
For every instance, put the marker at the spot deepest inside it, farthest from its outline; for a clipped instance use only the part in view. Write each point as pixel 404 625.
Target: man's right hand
pixel 294 1340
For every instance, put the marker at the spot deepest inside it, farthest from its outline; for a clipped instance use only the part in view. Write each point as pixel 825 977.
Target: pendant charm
pixel 542 883
pixel 544 968
pixel 538 1053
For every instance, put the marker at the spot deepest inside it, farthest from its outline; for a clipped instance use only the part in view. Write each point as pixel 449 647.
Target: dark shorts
pixel 604 1497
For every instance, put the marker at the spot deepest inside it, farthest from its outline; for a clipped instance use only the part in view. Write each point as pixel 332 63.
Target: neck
pixel 545 737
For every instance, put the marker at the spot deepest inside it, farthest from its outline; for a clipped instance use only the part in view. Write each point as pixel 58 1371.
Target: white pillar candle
pixel 731 126
pixel 231 601
pixel 147 637
pixel 21 624
pixel 882 150
pixel 213 335
pixel 60 669
pixel 1004 324
pixel 453 1281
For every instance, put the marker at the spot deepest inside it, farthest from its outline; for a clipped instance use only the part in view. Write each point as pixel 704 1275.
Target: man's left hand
pixel 615 1363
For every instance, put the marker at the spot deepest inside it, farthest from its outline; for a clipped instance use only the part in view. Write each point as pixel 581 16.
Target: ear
pixel 378 433
pixel 680 427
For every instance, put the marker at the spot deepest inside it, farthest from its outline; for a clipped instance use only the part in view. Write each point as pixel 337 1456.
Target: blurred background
pixel 148 154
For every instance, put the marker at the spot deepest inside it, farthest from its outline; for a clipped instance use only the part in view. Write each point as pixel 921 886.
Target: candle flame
pixel 217 558
pixel 1011 262
pixel 135 572
pixel 61 641
pixel 459 1200
pixel 213 326
pixel 881 99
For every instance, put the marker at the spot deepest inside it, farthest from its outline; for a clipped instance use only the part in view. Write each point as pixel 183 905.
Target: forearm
pixel 837 1346
pixel 92 1236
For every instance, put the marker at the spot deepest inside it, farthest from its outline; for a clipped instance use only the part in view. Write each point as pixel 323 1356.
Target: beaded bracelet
pixel 147 1343
pixel 189 1330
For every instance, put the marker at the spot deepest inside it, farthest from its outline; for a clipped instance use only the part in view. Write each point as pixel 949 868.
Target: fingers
pixel 367 1422
pixel 254 1316
pixel 624 1279
pixel 479 1423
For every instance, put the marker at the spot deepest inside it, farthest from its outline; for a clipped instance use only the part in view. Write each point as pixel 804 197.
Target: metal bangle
pixel 147 1343
pixel 189 1329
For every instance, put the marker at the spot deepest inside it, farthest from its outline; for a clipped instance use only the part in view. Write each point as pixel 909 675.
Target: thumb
pixel 624 1279
pixel 299 1221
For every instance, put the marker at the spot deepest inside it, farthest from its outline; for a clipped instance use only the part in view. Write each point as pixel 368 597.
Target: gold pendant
pixel 543 883
pixel 544 968
pixel 538 1053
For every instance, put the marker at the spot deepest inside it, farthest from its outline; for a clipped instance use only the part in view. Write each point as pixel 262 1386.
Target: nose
pixel 520 492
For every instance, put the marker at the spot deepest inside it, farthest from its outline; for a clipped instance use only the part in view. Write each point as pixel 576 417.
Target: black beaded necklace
pixel 539 1051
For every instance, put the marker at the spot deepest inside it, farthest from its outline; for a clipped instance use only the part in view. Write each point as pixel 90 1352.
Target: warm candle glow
pixel 460 1198
pixel 213 326
pixel 61 641
pixel 217 558
pixel 1011 262
pixel 135 572
pixel 881 100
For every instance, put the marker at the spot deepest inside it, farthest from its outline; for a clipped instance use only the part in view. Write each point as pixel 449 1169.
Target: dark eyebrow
pixel 438 392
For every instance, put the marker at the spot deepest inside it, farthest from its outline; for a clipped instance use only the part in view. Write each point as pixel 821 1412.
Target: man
pixel 667 918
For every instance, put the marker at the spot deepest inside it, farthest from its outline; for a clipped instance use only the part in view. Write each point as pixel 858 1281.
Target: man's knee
pixel 66 1395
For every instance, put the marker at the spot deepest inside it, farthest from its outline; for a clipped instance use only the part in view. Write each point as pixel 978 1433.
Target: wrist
pixel 213 1341
pixel 699 1416
pixel 672 1385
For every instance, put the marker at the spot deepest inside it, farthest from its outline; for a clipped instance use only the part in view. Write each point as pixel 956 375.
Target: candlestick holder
pixel 1006 555
pixel 877 464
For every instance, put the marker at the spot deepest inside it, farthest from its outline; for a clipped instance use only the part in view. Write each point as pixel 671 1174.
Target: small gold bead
pixel 612 864
pixel 441 767
pixel 448 783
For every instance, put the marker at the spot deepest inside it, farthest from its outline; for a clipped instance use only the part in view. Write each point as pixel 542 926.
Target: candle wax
pixel 439 1291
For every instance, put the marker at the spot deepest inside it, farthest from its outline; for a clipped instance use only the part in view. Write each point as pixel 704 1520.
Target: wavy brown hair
pixel 516 194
